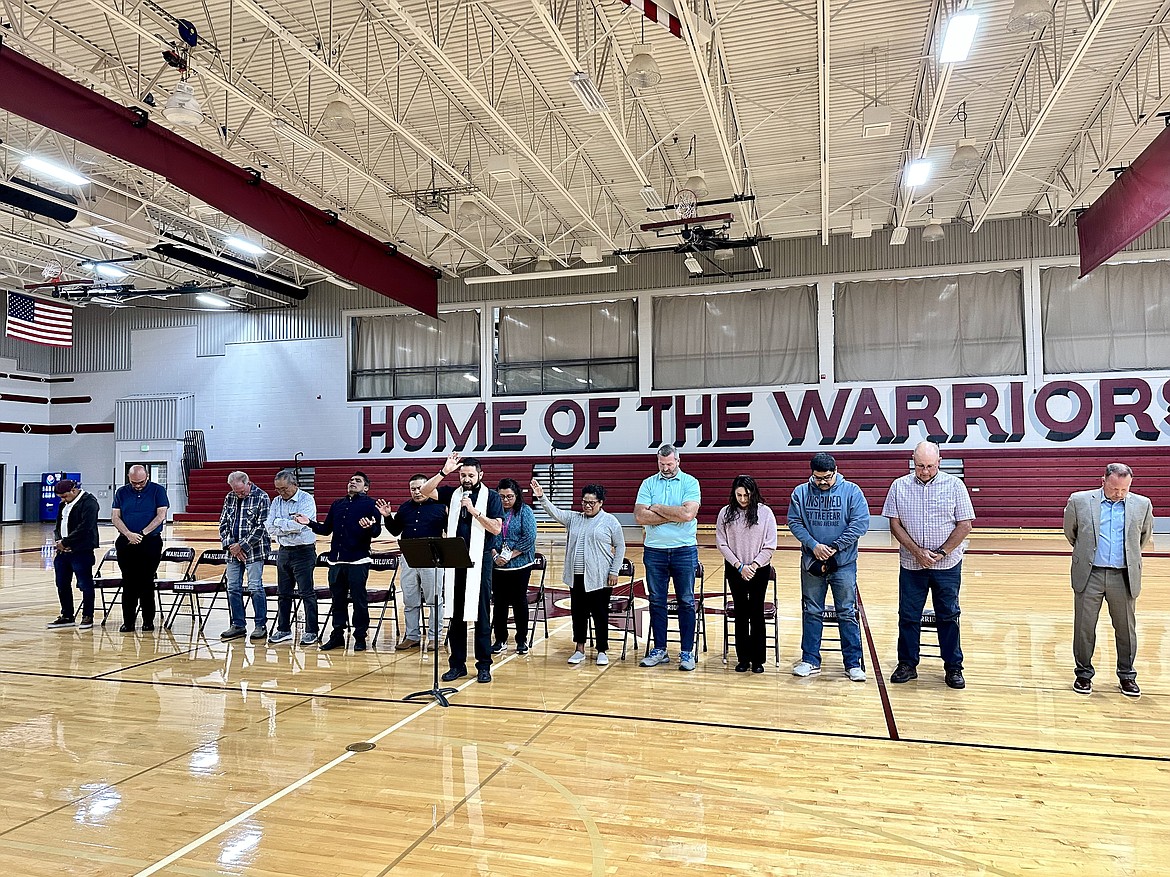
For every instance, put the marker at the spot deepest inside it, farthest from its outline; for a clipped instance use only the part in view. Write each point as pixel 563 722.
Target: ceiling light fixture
pixel 966 156
pixel 295 135
pixel 588 92
pixel 899 235
pixel 543 263
pixel 861 228
pixel 54 171
pixel 338 113
pixel 958 37
pixel 697 183
pixel 542 275
pixel 243 245
pixel 214 300
pixel 724 255
pixel 182 107
pixel 1030 15
pixel 643 71
pixel 693 264
pixel 651 198
pixel 110 272
pixel 591 254
pixel 469 210
pixel 916 173
pixel 503 168
pixel 431 223
pixel 933 232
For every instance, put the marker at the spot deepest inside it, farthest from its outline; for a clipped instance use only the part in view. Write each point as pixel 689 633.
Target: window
pixel 969 325
pixel 735 339
pixel 1117 318
pixel 585 348
pixel 415 357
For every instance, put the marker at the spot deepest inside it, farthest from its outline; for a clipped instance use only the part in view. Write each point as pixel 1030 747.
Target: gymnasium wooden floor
pixel 177 754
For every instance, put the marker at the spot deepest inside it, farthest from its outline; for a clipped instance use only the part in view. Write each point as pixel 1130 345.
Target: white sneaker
pixel 855 674
pixel 576 657
pixel 656 657
pixel 804 668
pixel 602 660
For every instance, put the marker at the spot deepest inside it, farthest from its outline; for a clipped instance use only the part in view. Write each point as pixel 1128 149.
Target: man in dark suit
pixel 76 536
pixel 1107 528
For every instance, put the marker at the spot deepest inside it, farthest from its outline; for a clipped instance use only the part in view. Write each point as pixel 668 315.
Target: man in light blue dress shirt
pixel 667 507
pixel 295 558
pixel 1107 528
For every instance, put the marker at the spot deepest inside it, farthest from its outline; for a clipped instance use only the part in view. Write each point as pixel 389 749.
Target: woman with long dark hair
pixel 745 532
pixel 513 558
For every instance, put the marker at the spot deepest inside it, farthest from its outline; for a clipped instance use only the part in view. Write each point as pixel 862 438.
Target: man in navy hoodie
pixel 828 515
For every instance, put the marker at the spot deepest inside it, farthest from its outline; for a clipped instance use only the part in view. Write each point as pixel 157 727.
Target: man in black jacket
pixel 76 536
pixel 353 521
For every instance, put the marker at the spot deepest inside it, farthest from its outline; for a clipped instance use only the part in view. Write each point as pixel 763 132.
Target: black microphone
pixel 464 514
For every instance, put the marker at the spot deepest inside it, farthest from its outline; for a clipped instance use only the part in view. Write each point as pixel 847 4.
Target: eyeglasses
pixel 141 483
pixel 828 477
pixel 590 502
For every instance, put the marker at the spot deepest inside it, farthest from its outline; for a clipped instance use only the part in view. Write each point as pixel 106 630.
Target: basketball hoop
pixel 688 204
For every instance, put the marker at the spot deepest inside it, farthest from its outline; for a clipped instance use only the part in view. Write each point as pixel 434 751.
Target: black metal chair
pixel 621 605
pixel 193 590
pixel 771 618
pixel 537 602
pixel 700 612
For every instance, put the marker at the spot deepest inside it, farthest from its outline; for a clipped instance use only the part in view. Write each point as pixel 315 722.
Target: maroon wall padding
pixel 1133 204
pixel 43 96
pixel 1016 487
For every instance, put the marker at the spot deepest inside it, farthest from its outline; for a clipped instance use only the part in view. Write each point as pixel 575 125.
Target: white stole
pixel 475 549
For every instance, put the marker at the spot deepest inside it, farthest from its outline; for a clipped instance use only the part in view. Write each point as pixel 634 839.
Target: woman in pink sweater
pixel 745 532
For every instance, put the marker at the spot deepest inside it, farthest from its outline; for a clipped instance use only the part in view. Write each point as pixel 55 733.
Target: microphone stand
pixel 435 553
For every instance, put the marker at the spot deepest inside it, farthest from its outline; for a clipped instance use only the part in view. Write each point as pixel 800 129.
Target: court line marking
pixel 887 707
pixel 306 779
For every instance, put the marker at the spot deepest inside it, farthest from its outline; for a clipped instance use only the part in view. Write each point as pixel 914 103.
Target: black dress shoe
pixel 1129 688
pixel 484 676
pixel 333 643
pixel 359 644
pixel 1083 686
pixel 126 628
pixel 757 668
pixel 454 673
pixel 904 673
pixel 742 667
pixel 955 679
pixel 148 627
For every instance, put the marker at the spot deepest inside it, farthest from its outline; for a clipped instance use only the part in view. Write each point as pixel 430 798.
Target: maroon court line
pixel 891 725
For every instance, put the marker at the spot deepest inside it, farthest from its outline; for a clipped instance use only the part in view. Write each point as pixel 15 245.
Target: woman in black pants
pixel 593 555
pixel 745 532
pixel 513 559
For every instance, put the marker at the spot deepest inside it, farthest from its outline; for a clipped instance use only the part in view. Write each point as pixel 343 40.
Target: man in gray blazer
pixel 1107 528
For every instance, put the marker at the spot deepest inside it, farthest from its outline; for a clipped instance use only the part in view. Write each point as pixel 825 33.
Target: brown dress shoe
pixel 406 644
pixel 1129 688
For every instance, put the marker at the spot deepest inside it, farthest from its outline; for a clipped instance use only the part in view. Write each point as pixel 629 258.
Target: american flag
pixel 39 321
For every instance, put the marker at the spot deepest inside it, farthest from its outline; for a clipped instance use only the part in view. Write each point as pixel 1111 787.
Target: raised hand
pixel 537 490
pixel 384 508
pixel 454 459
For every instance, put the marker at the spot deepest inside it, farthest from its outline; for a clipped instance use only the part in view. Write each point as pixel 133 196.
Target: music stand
pixel 436 553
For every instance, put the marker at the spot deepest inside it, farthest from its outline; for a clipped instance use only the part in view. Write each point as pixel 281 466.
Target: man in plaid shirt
pixel 930 515
pixel 242 533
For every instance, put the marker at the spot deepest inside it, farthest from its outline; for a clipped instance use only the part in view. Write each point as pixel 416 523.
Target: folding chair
pixel 700 614
pixel 537 604
pixel 929 622
pixel 194 588
pixel 323 594
pixel 771 618
pixel 621 605
pixel 387 596
pixel 829 616
pixel 183 556
pixel 108 588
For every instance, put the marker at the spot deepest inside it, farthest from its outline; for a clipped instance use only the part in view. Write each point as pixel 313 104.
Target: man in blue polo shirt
pixel 667 507
pixel 140 510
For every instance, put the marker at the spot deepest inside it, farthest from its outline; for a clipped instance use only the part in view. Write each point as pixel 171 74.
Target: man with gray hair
pixel 295 558
pixel 1107 529
pixel 667 506
pixel 242 534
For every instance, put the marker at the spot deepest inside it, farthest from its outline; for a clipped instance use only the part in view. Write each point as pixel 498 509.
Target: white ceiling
pixel 765 96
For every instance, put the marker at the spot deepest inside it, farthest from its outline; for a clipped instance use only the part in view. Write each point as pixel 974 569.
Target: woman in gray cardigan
pixel 593 555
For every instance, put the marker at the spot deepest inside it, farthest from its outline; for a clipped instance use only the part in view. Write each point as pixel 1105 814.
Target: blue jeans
pixel 943 585
pixel 67 565
pixel 662 565
pixel 236 570
pixel 813 589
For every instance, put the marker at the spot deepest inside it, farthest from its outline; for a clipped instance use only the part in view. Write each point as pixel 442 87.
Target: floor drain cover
pixel 364 746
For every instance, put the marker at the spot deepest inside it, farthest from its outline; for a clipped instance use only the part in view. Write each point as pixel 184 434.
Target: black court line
pixel 887 707
pixel 686 723
pixel 128 667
